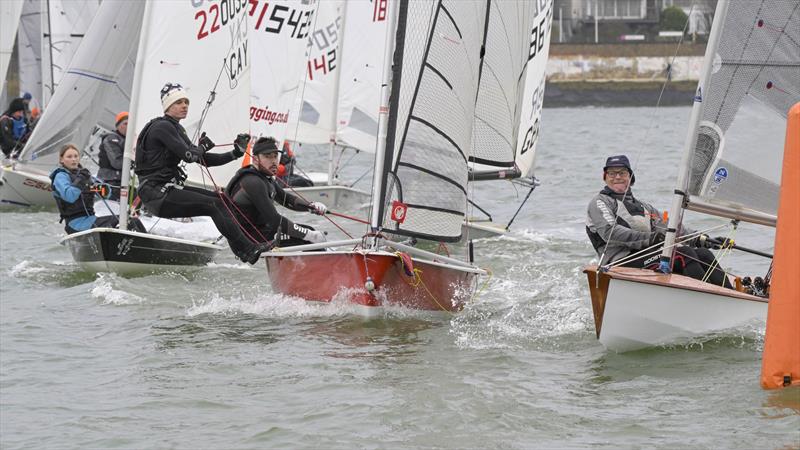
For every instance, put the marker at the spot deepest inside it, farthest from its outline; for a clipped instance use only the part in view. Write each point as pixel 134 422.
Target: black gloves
pixel 240 144
pixel 205 143
pixel 704 241
pixel 656 237
pixel 83 179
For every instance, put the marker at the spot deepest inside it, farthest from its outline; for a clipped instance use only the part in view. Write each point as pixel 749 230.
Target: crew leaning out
pixel 75 192
pixel 619 226
pixel 255 192
pixel 161 146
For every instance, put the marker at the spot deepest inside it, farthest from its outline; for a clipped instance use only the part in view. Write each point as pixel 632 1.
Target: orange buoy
pixel 780 363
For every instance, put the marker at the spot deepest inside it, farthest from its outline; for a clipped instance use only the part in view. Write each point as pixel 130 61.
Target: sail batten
pixel 434 87
pixel 511 86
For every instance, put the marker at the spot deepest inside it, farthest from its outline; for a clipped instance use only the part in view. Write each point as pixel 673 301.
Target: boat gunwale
pixel 672 281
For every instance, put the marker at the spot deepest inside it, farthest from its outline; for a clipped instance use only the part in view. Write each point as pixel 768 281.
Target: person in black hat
pixel 254 191
pixel 13 127
pixel 161 146
pixel 619 225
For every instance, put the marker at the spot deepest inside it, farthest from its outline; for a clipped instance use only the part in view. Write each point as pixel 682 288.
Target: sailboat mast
pixel 336 79
pixel 381 156
pixel 134 120
pixel 681 186
pixel 47 89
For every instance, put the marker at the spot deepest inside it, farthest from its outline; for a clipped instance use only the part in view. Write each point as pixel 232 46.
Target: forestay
pixel 205 49
pixel 755 79
pixel 64 26
pixel 280 32
pixel 512 82
pixel 434 87
pixel 95 88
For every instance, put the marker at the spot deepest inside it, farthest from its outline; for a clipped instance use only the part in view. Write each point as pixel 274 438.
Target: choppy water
pixel 214 359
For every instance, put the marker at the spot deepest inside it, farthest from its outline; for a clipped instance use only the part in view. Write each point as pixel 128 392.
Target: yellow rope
pixel 725 251
pixel 419 282
pixel 486 283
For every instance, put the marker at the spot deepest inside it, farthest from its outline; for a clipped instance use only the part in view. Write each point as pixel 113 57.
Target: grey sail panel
pixel 755 79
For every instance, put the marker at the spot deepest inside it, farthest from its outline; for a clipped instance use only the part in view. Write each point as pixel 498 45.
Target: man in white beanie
pixel 161 146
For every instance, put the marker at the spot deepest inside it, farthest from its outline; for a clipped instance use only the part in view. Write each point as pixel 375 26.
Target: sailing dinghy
pixel 169 50
pixel 731 168
pixel 93 76
pixel 421 169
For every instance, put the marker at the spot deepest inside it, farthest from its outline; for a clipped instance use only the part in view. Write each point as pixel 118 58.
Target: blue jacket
pixel 65 191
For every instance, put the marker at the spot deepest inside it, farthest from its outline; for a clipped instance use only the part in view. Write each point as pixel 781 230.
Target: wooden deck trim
pixel 673 281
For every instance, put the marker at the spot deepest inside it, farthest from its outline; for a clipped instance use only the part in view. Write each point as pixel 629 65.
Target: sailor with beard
pixel 255 191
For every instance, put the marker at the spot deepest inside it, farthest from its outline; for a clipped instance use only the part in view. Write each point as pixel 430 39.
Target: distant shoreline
pixel 614 93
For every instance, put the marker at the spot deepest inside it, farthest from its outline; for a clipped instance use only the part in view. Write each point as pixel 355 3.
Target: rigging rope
pixel 650 126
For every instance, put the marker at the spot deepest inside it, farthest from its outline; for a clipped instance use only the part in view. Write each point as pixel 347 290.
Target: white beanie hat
pixel 171 93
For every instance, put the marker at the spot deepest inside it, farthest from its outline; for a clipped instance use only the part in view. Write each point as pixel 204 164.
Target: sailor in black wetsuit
pixel 254 189
pixel 161 146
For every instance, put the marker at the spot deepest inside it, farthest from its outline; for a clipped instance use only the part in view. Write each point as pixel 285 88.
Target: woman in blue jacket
pixel 72 188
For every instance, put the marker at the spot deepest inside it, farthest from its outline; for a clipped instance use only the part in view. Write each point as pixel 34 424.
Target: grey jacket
pixel 636 223
pixel 112 149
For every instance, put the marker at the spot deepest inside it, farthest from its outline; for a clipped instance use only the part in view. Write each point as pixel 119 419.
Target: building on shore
pixel 604 21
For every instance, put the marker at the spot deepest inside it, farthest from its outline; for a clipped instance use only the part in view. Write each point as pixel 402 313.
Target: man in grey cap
pixel 619 225
pixel 254 191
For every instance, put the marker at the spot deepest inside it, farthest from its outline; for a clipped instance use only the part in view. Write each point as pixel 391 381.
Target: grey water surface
pixel 214 359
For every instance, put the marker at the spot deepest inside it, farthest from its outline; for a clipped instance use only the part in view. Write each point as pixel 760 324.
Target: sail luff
pixel 388 108
pixel 134 118
pixel 676 209
pixel 335 100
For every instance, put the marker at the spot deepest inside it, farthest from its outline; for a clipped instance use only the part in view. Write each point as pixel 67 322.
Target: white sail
pixel 29 50
pixel 360 79
pixel 316 116
pixel 205 49
pixel 280 31
pixel 96 86
pixel 10 11
pixel 64 26
pixel 509 103
pixel 341 94
pixel 434 87
pixel 754 80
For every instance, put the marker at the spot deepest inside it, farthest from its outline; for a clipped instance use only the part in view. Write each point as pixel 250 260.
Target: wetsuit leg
pixel 106 222
pixel 694 262
pixel 193 202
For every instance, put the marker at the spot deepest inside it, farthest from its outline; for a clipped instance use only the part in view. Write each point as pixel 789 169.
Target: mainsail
pixel 280 32
pixel 29 50
pixel 95 88
pixel 63 26
pixel 9 21
pixel 511 91
pixel 341 92
pixel 754 79
pixel 434 87
pixel 205 49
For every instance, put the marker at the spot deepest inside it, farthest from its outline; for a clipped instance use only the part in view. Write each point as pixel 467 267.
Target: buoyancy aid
pixel 83 206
